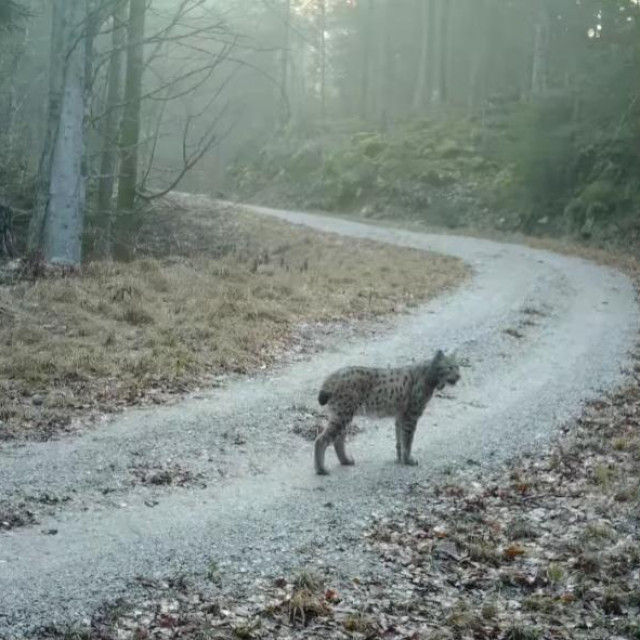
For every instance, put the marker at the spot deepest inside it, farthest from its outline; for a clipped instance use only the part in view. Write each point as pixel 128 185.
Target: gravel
pixel 540 334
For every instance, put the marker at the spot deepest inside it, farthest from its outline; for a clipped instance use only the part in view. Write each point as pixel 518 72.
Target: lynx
pixel 403 393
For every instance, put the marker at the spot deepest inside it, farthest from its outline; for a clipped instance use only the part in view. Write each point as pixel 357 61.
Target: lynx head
pixel 444 370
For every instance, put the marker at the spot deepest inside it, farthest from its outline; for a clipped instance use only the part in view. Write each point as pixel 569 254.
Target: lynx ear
pixel 439 354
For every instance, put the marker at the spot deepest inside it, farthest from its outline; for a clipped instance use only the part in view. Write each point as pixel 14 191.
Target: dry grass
pixel 211 292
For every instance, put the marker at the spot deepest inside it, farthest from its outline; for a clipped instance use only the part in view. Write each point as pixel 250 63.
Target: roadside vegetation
pixel 211 292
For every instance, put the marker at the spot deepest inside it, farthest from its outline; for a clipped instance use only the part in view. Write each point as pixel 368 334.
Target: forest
pixel 227 225
pixel 499 114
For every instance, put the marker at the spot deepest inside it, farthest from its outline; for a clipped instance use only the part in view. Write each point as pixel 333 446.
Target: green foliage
pixel 409 168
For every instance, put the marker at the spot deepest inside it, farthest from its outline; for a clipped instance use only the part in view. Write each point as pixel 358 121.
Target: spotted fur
pixel 402 393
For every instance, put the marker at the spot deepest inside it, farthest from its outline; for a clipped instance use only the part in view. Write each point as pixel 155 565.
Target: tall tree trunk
pixel 365 9
pixel 323 59
pixel 9 64
pixel 435 51
pixel 57 68
pixel 540 53
pixel 130 129
pixel 286 54
pixel 480 20
pixel 421 86
pixel 439 51
pixel 109 159
pixel 384 71
pixel 62 238
pixel 445 58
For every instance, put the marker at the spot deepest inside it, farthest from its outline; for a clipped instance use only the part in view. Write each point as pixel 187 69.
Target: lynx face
pixel 445 370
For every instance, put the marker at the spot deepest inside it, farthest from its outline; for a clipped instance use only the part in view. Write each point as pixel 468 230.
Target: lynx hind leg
pixel 338 444
pixel 408 430
pixel 329 435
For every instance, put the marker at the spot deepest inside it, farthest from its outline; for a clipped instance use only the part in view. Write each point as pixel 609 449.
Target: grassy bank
pixel 211 292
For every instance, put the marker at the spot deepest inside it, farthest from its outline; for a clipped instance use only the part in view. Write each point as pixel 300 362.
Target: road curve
pixel 263 510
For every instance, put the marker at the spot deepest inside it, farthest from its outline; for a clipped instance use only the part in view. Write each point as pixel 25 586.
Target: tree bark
pixel 365 9
pixel 540 53
pixel 421 87
pixel 286 53
pixel 440 23
pixel 323 59
pixel 56 87
pixel 64 217
pixel 384 72
pixel 109 159
pixel 478 56
pixel 130 129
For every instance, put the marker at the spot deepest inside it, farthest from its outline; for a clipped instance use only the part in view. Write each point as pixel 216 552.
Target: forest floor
pixel 212 292
pixel 525 530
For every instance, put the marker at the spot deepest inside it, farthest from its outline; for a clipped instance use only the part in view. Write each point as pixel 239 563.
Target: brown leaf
pixel 513 551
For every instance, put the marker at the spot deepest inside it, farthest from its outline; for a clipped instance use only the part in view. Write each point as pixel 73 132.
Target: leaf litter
pixel 545 547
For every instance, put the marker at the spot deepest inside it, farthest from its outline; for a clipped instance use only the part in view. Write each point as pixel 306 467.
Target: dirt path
pixel 541 333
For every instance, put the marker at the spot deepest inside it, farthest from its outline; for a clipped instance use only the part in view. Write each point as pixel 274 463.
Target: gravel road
pixel 540 333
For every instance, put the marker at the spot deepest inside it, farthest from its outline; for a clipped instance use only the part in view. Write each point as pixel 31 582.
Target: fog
pixel 237 236
pixel 198 90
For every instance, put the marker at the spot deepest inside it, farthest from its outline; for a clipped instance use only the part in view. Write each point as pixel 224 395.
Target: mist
pixel 319 319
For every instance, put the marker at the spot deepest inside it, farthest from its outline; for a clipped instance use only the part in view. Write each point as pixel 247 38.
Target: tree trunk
pixel 109 160
pixel 323 59
pixel 540 54
pixel 445 56
pixel 62 238
pixel 130 130
pixel 56 87
pixel 421 87
pixel 435 51
pixel 439 51
pixel 384 71
pixel 9 64
pixel 286 53
pixel 480 21
pixel 365 9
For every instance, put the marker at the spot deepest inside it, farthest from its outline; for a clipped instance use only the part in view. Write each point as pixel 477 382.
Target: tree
pixel 10 14
pixel 540 52
pixel 286 54
pixel 421 84
pixel 130 132
pixel 109 159
pixel 56 226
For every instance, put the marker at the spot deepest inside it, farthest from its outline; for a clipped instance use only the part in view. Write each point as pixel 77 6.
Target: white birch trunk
pixel 62 242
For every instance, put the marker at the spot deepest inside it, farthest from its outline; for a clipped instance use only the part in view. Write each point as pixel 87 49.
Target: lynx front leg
pixel 329 435
pixel 408 428
pixel 398 441
pixel 338 444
